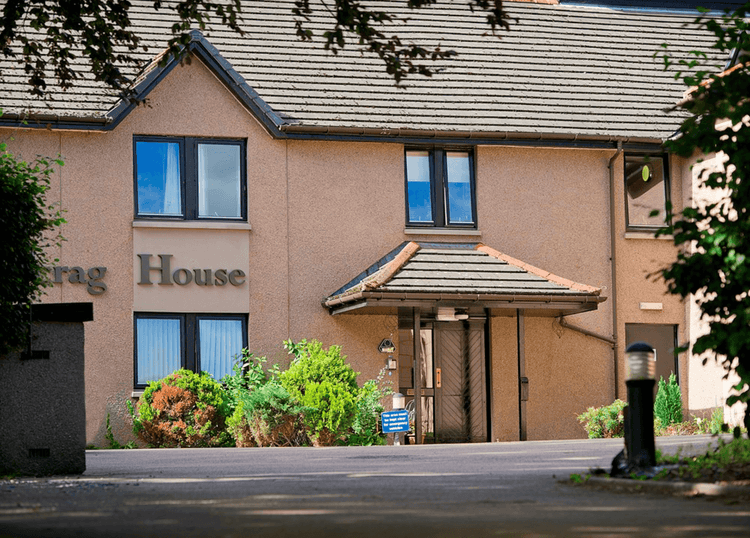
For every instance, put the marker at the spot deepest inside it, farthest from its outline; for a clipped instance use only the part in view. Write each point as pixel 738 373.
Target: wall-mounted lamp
pixel 391 364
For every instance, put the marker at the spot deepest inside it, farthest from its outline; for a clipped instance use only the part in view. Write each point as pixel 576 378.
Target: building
pixel 270 190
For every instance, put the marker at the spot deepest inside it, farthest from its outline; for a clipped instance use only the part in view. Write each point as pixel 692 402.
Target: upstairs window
pixel 646 191
pixel 440 188
pixel 190 178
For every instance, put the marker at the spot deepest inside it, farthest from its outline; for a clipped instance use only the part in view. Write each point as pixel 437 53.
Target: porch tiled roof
pixel 457 270
pixel 562 71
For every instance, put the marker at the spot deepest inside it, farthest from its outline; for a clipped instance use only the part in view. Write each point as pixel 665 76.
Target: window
pixel 646 190
pixel 190 178
pixel 199 342
pixel 440 188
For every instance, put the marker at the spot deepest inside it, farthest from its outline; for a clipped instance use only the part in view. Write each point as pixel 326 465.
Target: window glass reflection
pixel 418 186
pixel 158 178
pixel 646 190
pixel 459 188
pixel 218 180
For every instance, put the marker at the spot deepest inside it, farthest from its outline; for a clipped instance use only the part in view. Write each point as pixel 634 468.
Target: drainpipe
pixel 566 325
pixel 613 263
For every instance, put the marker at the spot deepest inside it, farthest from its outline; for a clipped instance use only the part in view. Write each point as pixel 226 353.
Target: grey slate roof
pixel 445 271
pixel 562 71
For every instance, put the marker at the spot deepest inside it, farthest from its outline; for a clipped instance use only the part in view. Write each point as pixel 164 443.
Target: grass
pixel 728 462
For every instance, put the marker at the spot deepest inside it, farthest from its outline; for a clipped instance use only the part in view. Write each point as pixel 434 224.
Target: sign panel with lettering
pixel 395 421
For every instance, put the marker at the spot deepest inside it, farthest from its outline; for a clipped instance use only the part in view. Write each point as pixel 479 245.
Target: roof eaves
pixel 505 138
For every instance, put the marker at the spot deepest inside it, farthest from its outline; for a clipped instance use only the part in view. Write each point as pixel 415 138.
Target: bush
pixel 268 416
pixel 604 422
pixel 247 374
pixel 668 403
pixel 322 381
pixel 184 409
pixel 369 406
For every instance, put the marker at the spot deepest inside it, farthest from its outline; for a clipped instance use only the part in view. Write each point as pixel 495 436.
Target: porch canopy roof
pixel 463 276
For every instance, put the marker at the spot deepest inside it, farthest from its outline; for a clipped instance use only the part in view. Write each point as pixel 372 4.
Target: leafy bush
pixel 322 381
pixel 247 374
pixel 29 225
pixel 184 409
pixel 269 416
pixel 604 422
pixel 668 403
pixel 369 406
pixel 716 424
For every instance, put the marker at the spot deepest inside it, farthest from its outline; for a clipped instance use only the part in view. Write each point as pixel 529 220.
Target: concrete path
pixel 463 491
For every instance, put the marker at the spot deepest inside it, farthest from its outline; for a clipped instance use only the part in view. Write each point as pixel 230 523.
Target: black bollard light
pixel 640 362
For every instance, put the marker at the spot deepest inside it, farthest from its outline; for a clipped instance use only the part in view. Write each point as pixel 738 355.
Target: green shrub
pixel 668 403
pixel 184 409
pixel 248 373
pixel 604 422
pixel 322 381
pixel 716 425
pixel 268 416
pixel 369 406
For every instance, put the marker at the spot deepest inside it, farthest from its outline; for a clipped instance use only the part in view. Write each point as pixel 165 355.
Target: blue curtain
pixel 159 352
pixel 220 341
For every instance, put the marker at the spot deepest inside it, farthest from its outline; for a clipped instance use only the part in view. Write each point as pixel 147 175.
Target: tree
pixel 713 264
pixel 28 226
pixel 58 32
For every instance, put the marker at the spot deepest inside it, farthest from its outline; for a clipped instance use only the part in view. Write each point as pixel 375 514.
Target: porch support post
pixel 417 376
pixel 523 382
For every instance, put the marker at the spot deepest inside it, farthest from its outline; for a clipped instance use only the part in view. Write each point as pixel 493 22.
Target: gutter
pixel 469 297
pixel 613 265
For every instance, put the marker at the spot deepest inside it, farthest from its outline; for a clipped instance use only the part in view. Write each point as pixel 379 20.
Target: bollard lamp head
pixel 640 362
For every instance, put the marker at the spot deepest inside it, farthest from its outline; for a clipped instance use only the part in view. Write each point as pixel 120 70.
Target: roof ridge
pixel 212 59
pixel 392 267
pixel 537 271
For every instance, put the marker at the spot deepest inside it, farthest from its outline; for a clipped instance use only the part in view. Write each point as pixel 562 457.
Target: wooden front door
pixel 460 382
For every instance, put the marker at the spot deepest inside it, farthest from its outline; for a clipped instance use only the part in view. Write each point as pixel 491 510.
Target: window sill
pixel 136 393
pixel 647 235
pixel 192 225
pixel 442 231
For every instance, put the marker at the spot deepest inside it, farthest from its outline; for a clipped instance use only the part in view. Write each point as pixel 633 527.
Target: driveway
pixel 497 489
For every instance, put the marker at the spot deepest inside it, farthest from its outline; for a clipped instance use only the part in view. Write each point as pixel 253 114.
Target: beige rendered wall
pixel 320 212
pixel 503 373
pixel 639 255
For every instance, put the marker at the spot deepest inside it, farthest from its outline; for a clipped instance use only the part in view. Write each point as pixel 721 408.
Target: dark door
pixel 663 338
pixel 460 382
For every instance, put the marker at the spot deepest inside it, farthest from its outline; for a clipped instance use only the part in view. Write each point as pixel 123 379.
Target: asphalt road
pixel 463 491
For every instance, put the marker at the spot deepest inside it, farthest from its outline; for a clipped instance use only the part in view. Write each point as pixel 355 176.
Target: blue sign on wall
pixel 395 421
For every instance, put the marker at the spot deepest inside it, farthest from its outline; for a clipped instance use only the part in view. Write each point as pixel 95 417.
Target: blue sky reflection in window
pixel 418 186
pixel 459 188
pixel 159 178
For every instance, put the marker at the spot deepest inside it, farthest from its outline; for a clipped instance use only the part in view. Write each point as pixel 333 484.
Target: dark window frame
pixel 667 189
pixel 439 188
pixel 189 337
pixel 189 176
